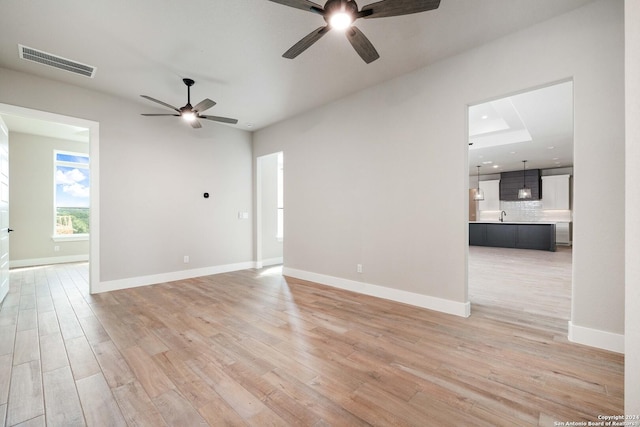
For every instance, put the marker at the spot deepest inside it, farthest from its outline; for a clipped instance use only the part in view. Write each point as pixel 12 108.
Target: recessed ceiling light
pixel 512 152
pixel 249 125
pixel 551 147
pixel 556 158
pixel 484 117
pixel 496 166
pixel 487 162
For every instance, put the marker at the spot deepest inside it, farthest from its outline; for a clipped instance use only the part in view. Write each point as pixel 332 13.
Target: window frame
pixel 86 166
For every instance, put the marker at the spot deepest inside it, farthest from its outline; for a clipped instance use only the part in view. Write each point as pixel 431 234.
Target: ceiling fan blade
pixel 160 102
pixel 306 42
pixel 205 104
pixel 219 119
pixel 362 45
pixel 195 124
pixel 386 8
pixel 176 115
pixel 301 4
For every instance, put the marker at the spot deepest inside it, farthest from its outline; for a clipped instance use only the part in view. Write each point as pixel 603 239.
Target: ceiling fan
pixel 341 14
pixel 189 113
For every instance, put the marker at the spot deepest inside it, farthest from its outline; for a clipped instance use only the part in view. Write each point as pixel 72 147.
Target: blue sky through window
pixel 72 182
pixel 73 158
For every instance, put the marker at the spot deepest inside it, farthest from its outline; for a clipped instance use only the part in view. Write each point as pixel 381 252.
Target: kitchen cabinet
pixel 491 191
pixel 501 235
pixel 513 235
pixel 511 182
pixel 563 233
pixel 473 205
pixel 555 192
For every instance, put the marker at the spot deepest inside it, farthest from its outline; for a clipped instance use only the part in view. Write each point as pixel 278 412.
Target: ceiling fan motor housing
pixel 336 6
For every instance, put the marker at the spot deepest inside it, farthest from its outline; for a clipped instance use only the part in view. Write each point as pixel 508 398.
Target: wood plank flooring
pixel 252 348
pixel 537 282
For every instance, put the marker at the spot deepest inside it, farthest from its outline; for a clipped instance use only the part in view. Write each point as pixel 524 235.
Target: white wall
pixel 380 177
pixel 632 333
pixel 31 206
pixel 153 173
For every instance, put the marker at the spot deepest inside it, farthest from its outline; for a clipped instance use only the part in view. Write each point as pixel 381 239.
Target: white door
pixel 4 210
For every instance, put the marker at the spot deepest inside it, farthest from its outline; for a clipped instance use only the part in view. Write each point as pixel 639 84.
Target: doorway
pixel 270 210
pixel 25 115
pixel 535 126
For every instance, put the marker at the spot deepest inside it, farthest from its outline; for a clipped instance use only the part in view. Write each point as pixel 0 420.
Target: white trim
pixel 47 261
pixel 596 338
pixel 411 298
pixel 94 212
pixel 94 144
pixel 272 261
pixel 258 211
pixel 70 237
pixel 134 282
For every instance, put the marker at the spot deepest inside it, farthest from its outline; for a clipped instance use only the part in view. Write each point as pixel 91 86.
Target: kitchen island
pixel 521 235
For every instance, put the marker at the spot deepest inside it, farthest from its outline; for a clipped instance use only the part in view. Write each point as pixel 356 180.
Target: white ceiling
pixel 46 128
pixel 536 126
pixel 232 49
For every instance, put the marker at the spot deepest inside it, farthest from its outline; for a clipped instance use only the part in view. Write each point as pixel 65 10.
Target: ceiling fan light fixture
pixel 189 113
pixel 340 20
pixel 188 116
pixel 341 14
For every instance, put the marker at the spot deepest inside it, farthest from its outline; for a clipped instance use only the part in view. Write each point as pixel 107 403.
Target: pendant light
pixel 479 193
pixel 524 192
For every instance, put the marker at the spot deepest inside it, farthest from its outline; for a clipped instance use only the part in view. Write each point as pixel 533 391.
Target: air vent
pixel 54 61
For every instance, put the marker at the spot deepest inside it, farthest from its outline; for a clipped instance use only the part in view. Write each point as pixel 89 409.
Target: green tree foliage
pixel 79 216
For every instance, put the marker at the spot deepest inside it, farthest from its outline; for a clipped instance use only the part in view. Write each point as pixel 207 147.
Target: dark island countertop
pixel 520 235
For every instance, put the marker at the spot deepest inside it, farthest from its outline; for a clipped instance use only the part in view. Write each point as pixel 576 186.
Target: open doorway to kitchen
pixel 509 268
pixel 270 210
pixel 54 158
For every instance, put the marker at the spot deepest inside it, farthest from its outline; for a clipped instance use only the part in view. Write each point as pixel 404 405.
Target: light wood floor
pixel 251 348
pixel 537 282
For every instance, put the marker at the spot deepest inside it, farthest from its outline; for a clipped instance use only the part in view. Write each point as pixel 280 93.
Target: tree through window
pixel 71 193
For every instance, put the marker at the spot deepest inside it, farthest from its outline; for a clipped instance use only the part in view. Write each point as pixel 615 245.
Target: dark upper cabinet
pixel 511 182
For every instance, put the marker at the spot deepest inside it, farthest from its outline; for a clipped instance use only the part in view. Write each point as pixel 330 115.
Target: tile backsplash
pixel 525 211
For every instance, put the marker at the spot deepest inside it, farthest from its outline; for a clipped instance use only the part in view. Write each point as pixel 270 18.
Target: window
pixel 280 226
pixel 71 194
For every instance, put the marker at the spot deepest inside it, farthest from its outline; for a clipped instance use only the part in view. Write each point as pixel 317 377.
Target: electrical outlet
pixel 56 248
pixel 186 259
pixel 359 268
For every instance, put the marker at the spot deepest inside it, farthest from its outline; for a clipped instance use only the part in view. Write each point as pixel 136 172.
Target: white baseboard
pixel 411 298
pixel 596 338
pixel 19 263
pixel 134 282
pixel 271 261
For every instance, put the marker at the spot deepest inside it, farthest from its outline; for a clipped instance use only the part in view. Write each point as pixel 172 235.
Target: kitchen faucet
pixel 502 215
